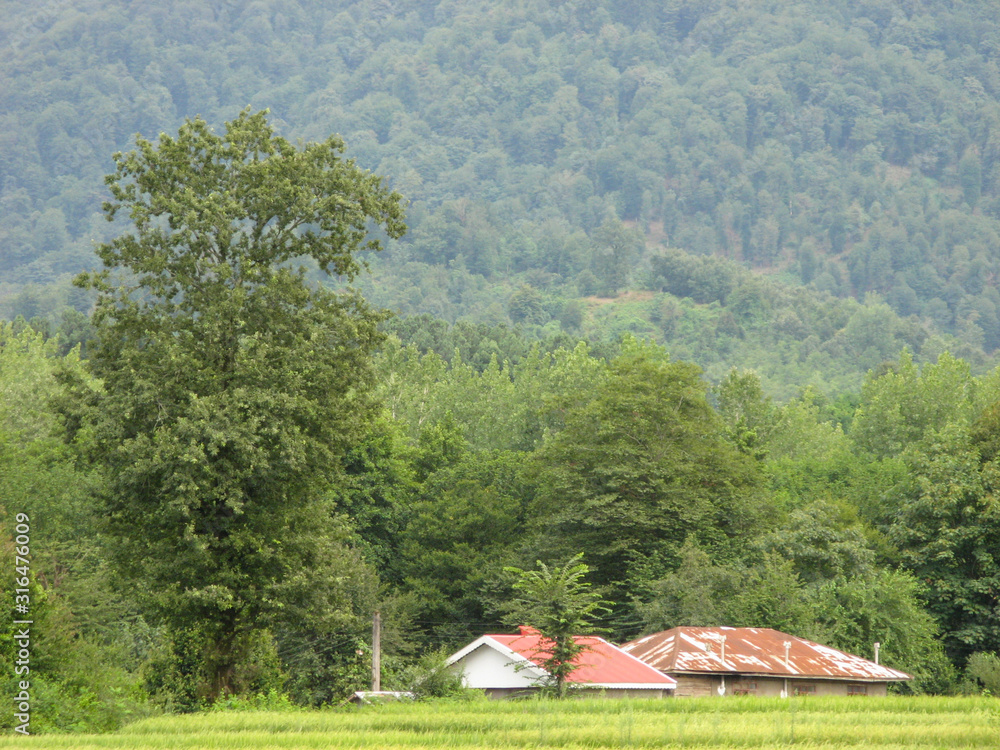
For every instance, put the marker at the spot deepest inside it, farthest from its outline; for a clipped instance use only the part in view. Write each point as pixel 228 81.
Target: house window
pixel 805 690
pixel 857 690
pixel 744 687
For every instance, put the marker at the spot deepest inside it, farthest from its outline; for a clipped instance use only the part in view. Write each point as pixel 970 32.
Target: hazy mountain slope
pixel 854 146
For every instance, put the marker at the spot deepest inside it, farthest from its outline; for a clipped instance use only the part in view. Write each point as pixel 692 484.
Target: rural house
pixel 509 665
pixel 758 661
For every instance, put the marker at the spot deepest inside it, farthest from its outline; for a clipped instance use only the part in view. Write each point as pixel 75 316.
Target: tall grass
pixel 894 722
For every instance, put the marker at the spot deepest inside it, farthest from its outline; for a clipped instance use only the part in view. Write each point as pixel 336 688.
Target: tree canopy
pixel 559 603
pixel 232 388
pixel 639 465
pixel 848 151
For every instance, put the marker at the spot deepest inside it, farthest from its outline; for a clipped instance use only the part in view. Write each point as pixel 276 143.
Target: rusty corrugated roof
pixel 756 651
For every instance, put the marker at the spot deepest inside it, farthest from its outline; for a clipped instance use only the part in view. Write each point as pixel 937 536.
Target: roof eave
pixel 624 685
pixel 788 676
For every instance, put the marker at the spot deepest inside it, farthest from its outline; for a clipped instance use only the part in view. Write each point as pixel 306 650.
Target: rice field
pixel 894 722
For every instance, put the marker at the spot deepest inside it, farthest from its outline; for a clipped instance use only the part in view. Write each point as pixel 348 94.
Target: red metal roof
pixel 757 651
pixel 600 663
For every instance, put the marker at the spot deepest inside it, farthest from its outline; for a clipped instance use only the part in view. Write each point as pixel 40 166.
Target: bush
pixel 176 679
pixel 429 677
pixel 982 672
pixel 273 700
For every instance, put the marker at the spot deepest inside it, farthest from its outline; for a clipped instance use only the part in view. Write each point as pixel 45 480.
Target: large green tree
pixel 467 524
pixel 947 527
pixel 232 388
pixel 640 464
pixel 906 404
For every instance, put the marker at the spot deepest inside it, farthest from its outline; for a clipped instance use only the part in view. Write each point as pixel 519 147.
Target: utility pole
pixel 377 652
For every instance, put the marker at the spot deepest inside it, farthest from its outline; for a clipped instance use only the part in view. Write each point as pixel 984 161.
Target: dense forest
pixel 705 291
pixel 845 523
pixel 552 152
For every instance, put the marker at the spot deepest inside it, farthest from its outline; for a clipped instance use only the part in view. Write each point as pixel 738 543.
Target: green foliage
pixel 558 602
pixel 810 457
pixel 772 595
pixel 75 684
pixel 234 206
pixel 323 627
pixel 639 465
pixel 948 530
pixel 615 250
pixel 698 593
pixel 231 390
pixel 985 432
pixel 376 489
pixel 701 592
pixel 644 163
pixel 473 344
pixel 28 363
pixel 174 672
pixel 904 404
pixel 983 669
pixel 846 155
pixel 849 612
pixel 178 678
pixel 325 668
pixel 81 664
pixel 747 412
pixel 429 677
pixel 527 306
pixel 271 701
pixel 886 607
pixel 428 492
pixel 440 445
pixel 494 407
pixel 823 541
pixel 466 525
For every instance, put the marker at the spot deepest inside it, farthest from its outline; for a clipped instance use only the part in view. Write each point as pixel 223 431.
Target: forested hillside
pixel 557 149
pixel 703 291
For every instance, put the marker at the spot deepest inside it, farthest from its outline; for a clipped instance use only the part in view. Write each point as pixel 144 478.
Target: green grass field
pixel 588 723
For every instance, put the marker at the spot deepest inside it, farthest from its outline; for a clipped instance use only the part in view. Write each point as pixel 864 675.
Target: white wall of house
pixel 487 668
